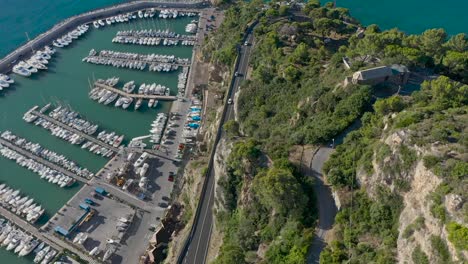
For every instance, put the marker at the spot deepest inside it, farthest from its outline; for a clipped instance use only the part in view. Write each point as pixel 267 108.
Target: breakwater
pixel 71 23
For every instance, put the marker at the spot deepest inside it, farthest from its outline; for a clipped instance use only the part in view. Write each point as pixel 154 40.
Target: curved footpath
pixel 71 23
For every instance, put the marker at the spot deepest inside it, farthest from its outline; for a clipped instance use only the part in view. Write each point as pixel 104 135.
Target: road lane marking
pixel 204 219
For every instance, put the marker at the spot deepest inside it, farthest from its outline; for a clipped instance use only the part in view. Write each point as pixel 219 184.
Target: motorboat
pixel 29 247
pixel 6 78
pixel 138 103
pixel 41 254
pixel 127 102
pixel 4 84
pixel 20 70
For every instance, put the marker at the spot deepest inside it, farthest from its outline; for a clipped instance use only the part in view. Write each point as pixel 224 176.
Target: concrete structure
pixel 394 74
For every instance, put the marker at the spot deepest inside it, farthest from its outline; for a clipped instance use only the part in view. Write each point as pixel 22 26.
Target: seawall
pixel 71 23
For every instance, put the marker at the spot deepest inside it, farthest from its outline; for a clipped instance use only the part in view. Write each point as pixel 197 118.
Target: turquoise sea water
pixel 67 77
pixel 66 81
pixel 35 17
pixel 411 16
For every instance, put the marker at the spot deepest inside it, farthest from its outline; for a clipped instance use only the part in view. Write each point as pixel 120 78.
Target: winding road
pixel 325 204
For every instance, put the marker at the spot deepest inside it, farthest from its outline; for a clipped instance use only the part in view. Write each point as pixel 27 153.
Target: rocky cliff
pixel 399 165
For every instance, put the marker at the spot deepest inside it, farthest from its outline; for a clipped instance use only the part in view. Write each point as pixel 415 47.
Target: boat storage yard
pixel 114 177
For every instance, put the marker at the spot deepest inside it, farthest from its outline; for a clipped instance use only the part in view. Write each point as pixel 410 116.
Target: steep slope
pixel 413 152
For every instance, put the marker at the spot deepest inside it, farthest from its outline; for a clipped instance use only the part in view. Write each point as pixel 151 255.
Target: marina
pixel 106 145
pixel 22 243
pixel 22 206
pixel 49 155
pixel 155 62
pixel 46 170
pixel 58 109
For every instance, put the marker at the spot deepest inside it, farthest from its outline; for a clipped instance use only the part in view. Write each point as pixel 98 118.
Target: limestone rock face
pixel 220 168
pixel 421 182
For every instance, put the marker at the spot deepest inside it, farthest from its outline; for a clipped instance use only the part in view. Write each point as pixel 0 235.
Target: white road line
pixel 204 219
pixel 209 239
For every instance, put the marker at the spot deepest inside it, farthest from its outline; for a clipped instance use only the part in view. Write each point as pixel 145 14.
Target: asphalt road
pixel 199 242
pixel 325 203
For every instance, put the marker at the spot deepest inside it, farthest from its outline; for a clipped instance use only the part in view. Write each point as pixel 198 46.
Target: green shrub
pixel 441 248
pixel 430 161
pixel 419 257
pixel 458 235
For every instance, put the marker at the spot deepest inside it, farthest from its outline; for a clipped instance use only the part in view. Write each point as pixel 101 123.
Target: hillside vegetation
pixel 294 96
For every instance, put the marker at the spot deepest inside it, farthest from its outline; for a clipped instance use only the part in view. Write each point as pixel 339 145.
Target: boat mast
pixel 27 36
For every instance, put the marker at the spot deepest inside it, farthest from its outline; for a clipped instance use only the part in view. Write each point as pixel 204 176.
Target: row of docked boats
pixel 22 206
pixel 67 135
pixel 154 89
pixel 157 128
pixel 182 81
pixel 36 62
pixel 152 41
pixel 46 154
pixel 5 81
pixel 68 38
pixel 173 13
pixel 148 13
pixel 129 56
pixel 159 63
pixel 150 33
pixel 23 244
pixel 46 173
pixel 122 18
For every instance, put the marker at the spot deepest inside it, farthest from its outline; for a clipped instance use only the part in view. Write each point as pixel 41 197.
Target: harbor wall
pixel 71 23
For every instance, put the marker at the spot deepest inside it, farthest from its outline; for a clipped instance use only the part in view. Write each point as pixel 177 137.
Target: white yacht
pixel 28 247
pixel 21 71
pixel 6 78
pixel 4 84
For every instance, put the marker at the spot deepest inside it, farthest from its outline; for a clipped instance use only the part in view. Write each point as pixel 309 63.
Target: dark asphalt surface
pixel 199 243
pixel 325 203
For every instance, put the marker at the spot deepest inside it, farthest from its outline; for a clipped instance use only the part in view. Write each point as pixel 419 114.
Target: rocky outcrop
pixel 417 223
pixel 416 205
pixel 220 168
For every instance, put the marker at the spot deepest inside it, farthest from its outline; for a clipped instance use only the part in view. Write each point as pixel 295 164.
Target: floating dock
pixel 136 96
pixel 74 130
pixel 40 160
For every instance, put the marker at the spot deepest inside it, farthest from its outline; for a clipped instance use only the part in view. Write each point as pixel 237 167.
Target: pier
pixel 47 238
pixel 145 61
pixel 136 96
pixel 74 130
pixel 40 160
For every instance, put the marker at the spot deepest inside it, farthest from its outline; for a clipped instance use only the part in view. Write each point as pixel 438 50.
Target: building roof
pixel 61 231
pixel 373 73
